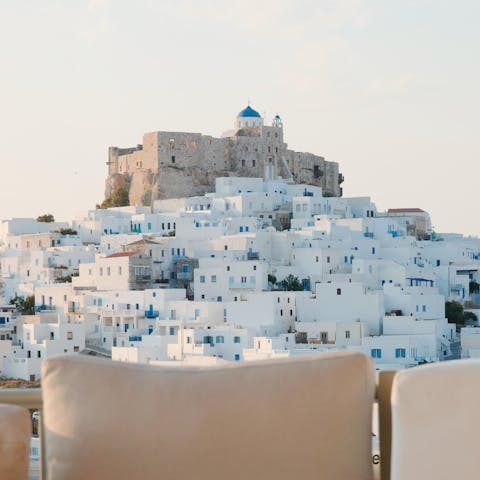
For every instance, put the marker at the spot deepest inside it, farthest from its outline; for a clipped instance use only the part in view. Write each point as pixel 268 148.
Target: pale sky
pixel 387 88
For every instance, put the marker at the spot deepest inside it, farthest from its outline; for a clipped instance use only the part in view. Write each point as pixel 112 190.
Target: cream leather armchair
pixel 305 418
pixel 15 431
pixel 436 421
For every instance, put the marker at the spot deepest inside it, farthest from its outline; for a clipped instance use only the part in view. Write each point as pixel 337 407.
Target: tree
pixel 292 283
pixel 474 287
pixel 272 279
pixel 68 231
pixel 25 305
pixel 46 218
pixel 118 198
pixel 455 313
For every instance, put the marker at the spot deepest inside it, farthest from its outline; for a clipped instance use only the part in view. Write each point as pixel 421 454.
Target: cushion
pixel 435 421
pixel 15 433
pixel 307 417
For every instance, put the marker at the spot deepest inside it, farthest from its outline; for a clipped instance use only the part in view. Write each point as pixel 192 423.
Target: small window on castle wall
pixel 339 291
pixel 173 158
pixel 253 163
pixel 243 163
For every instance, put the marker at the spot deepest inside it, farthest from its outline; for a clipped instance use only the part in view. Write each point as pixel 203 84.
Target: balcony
pixel 184 276
pixel 134 338
pixel 143 278
pixel 152 313
pixel 253 256
pixel 44 308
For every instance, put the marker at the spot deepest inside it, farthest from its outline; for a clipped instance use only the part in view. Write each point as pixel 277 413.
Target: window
pixel 76 349
pixel 185 268
pixel 228 268
pixel 328 259
pixel 202 278
pixel 254 267
pixel 172 331
pixel 108 271
pixel 243 279
pixel 213 279
pixel 173 158
pixel 424 308
pixel 236 339
pixel 347 333
pixel 339 291
pixel 253 163
pixel 400 352
pixel 39 354
pixel 69 335
pixel 376 352
pixel 208 340
pixel 220 339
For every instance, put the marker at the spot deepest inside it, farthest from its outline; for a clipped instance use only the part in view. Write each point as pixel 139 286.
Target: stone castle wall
pixel 178 164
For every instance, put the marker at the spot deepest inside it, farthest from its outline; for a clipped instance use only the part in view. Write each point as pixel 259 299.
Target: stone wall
pixel 178 164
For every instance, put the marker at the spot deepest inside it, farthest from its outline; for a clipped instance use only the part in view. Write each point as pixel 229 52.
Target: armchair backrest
pixel 305 418
pixel 435 421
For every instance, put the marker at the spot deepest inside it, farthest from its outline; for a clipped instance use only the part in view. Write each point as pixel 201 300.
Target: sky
pixel 388 89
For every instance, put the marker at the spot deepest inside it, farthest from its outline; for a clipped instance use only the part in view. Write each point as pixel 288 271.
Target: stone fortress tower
pixel 178 164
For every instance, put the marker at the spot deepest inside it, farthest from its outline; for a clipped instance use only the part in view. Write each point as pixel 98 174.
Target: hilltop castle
pixel 177 164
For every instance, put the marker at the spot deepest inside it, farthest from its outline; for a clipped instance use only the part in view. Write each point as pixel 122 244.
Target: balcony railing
pixel 152 313
pixel 42 308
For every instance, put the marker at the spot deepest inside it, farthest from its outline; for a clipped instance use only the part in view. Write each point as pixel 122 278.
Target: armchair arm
pixel 15 432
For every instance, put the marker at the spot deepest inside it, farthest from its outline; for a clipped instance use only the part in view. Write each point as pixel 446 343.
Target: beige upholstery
pixel 15 432
pixel 436 422
pixel 305 418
